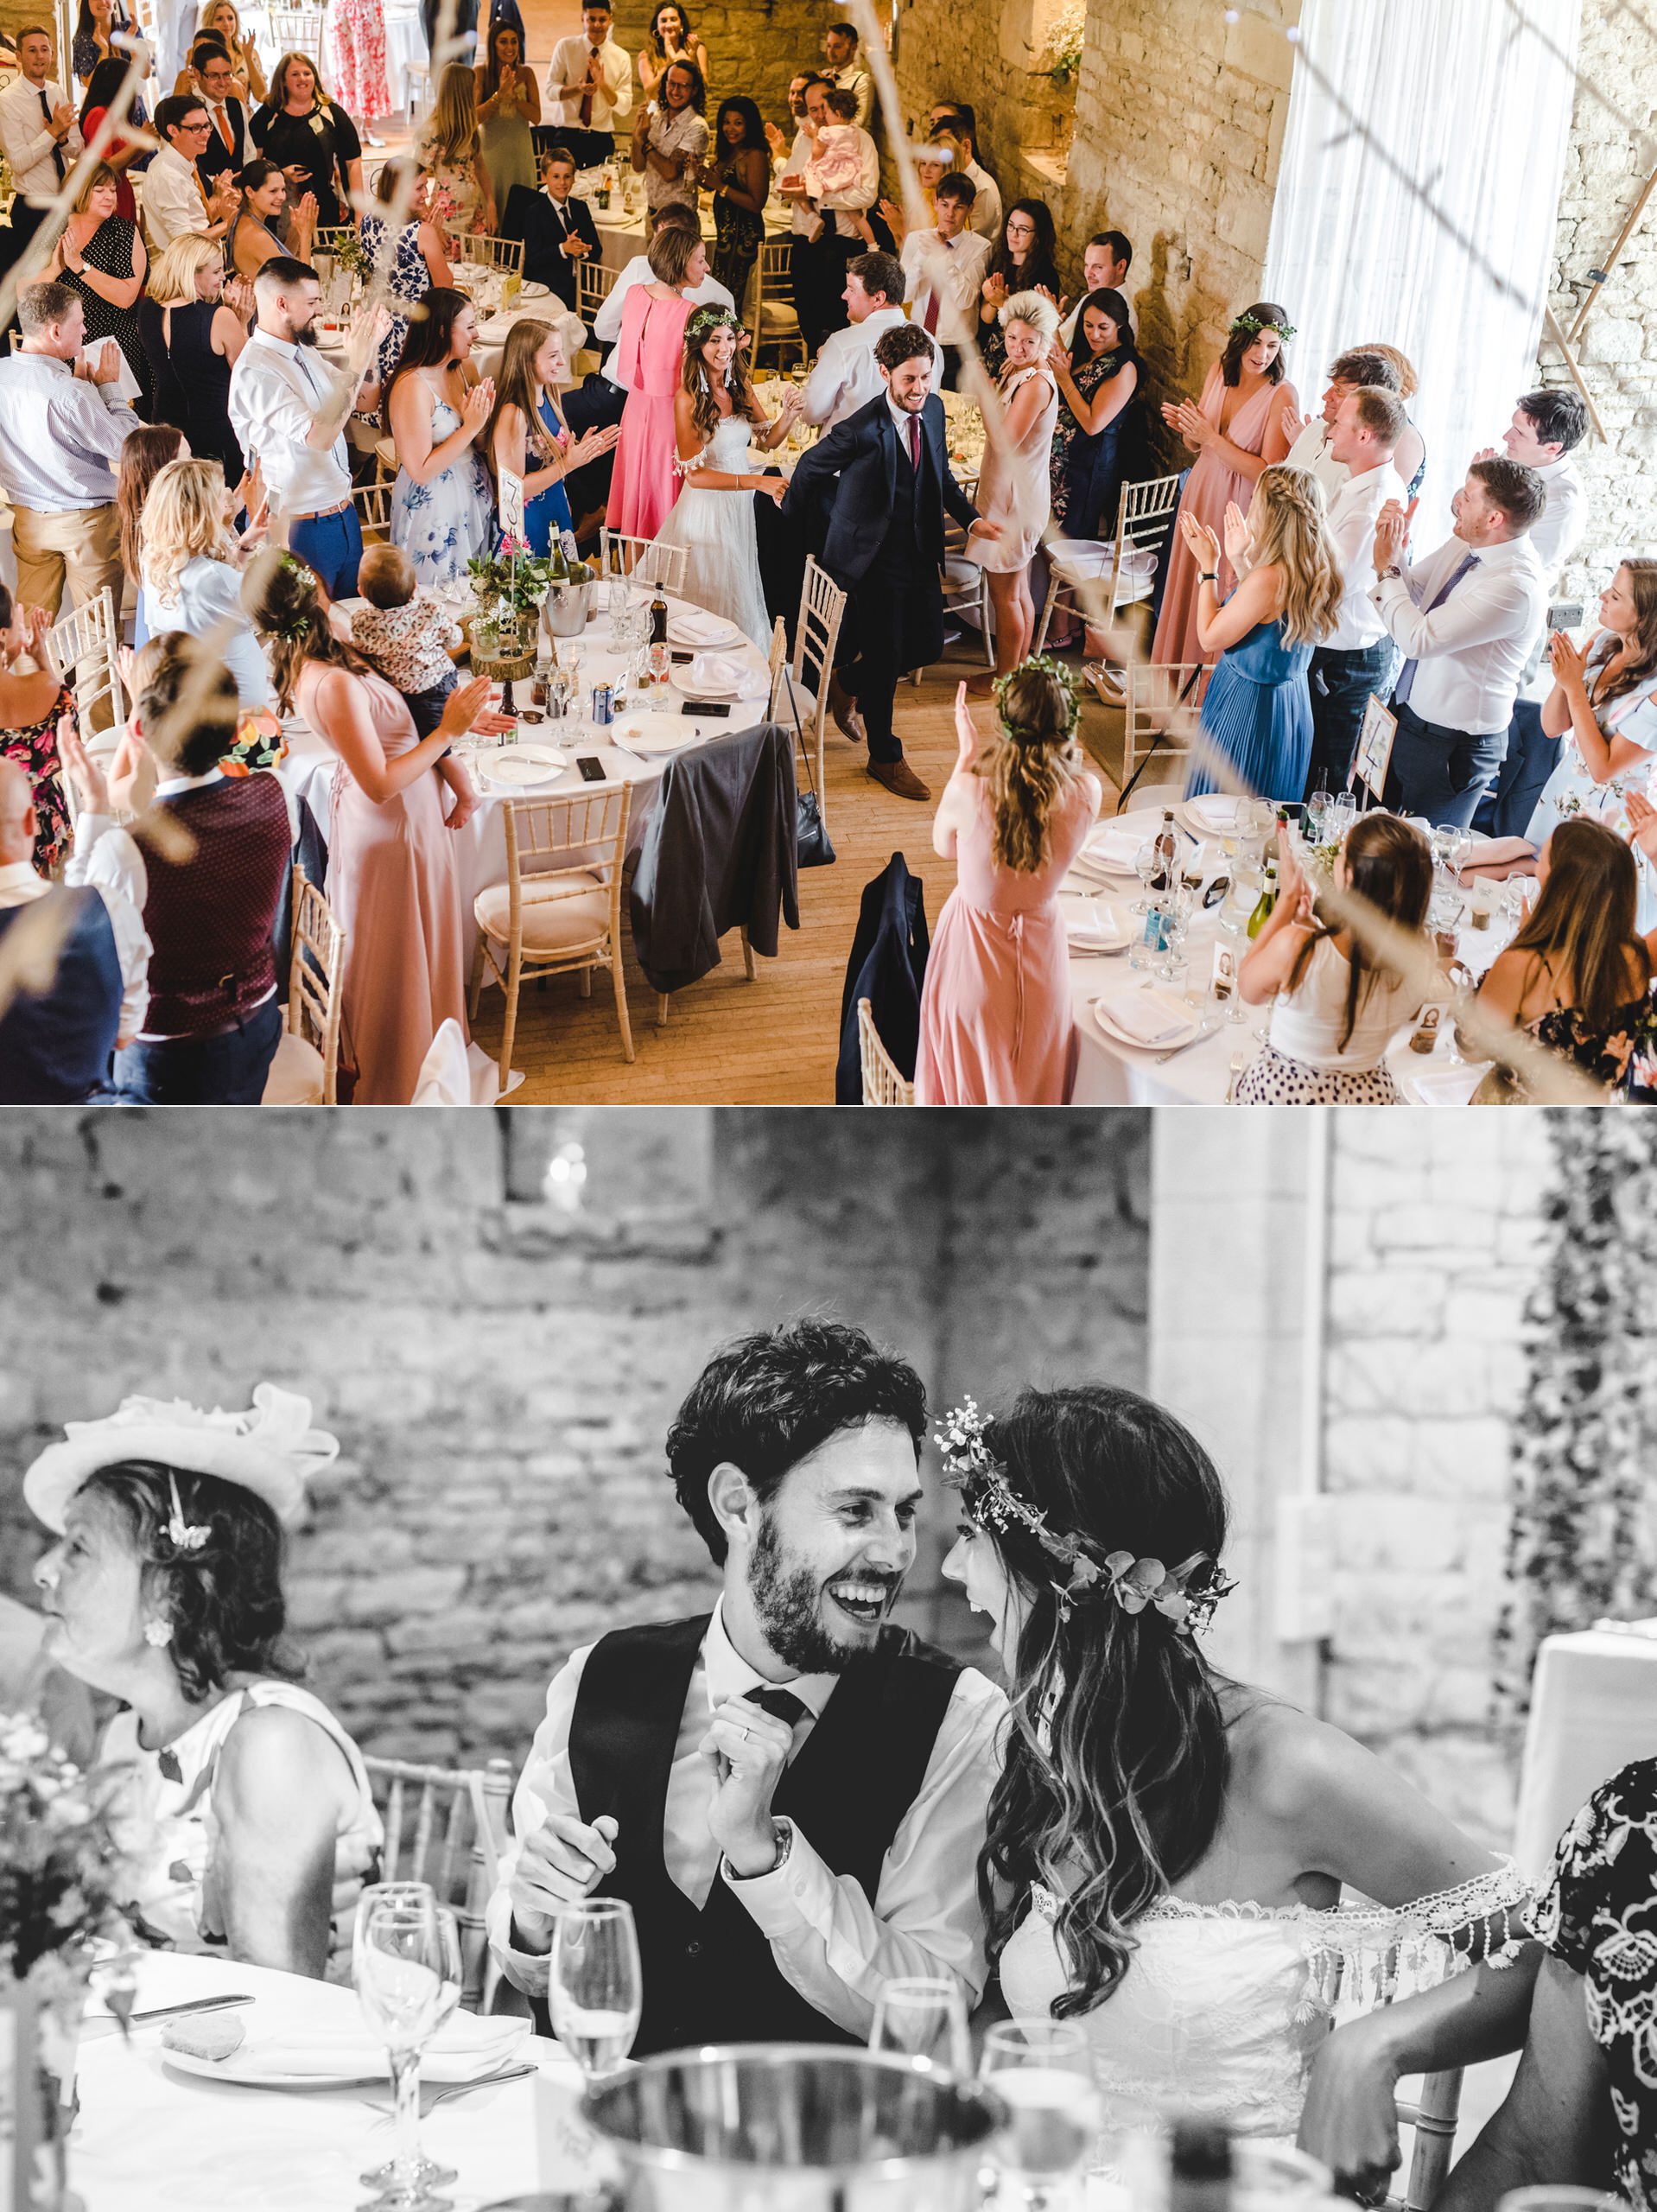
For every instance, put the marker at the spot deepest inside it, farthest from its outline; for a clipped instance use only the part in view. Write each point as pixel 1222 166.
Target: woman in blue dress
pixel 443 510
pixel 528 437
pixel 1257 711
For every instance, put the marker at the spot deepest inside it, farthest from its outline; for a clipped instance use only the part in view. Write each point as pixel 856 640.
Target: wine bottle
pixel 1265 903
pixel 558 567
pixel 1167 852
pixel 658 619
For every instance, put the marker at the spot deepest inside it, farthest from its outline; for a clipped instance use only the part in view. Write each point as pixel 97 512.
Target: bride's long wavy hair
pixel 1117 1761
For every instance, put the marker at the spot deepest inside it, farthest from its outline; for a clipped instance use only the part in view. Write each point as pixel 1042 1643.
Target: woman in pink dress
pixel 1245 421
pixel 995 1008
pixel 649 354
pixel 392 876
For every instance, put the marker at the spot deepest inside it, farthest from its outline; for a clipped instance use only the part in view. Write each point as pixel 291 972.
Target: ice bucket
pixel 566 608
pixel 795 2127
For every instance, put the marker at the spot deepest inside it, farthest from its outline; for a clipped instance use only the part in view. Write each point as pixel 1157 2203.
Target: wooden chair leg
pixel 1047 607
pixel 985 619
pixel 747 957
pixel 618 978
pixel 475 987
pixel 661 1009
pixel 509 1028
pixel 587 982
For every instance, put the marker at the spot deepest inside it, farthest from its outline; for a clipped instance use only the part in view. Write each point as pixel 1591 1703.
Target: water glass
pixel 595 1983
pixel 1147 863
pixel 406 1965
pixel 1043 2071
pixel 923 2017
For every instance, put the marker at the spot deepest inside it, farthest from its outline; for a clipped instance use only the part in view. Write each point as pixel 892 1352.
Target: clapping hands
pixel 1238 534
pixel 1570 662
pixel 1392 529
pixel 1642 824
pixel 966 731
pixel 1201 542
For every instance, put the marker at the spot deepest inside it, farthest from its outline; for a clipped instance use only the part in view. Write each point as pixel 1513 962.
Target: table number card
pixel 512 505
pixel 1375 747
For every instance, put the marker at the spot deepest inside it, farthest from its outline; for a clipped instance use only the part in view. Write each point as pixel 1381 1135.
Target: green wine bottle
pixel 1265 903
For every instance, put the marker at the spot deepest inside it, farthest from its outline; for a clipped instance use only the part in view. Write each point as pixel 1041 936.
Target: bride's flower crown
pixel 991 1501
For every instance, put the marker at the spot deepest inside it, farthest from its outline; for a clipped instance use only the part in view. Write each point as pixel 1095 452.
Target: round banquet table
pixel 622 236
pixel 490 343
pixel 1111 1072
pixel 481 843
pixel 148 2138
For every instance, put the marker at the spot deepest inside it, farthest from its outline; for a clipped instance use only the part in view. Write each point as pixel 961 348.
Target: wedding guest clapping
pixel 1014 483
pixel 1023 259
pixel 437 405
pixel 671 39
pixel 671 137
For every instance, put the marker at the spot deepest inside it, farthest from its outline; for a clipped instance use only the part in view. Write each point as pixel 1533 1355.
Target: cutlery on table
pixel 1207 1029
pixel 431 2098
pixel 170 2012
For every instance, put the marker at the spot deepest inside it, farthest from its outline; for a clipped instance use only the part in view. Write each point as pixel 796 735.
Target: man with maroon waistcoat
pixel 209 900
pixel 791 1794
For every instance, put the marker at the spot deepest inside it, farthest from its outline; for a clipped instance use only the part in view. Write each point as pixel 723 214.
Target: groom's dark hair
pixel 905 341
pixel 764 1402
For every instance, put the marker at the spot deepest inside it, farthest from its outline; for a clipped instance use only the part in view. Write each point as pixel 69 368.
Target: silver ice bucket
pixel 795 2127
pixel 566 608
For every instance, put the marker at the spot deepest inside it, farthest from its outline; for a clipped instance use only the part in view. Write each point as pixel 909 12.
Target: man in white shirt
pixel 1352 661
pixel 791 1795
pixel 1312 445
pixel 703 291
pixel 177 202
pixel 288 409
pixel 846 377
pixel 843 67
pixel 1106 259
pixel 39 139
pixel 62 425
pixel 1466 617
pixel 943 269
pixel 955 119
pixel 590 87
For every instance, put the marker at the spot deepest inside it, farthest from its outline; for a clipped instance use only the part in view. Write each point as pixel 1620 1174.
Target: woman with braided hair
pixel 1166 1847
pixel 717 421
pixel 995 1026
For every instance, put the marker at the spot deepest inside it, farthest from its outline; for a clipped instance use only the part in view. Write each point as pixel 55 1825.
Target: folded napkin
pixel 718 672
pixel 464 2050
pixel 1147 1015
pixel 1094 928
pixel 1118 844
pixel 699 628
pixel 1215 810
pixel 1452 1085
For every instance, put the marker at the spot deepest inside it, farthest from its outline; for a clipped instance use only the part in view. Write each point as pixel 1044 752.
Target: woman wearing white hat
pixel 165 1592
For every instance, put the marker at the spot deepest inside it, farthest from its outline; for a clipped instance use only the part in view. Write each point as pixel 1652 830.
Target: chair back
pixel 773 321
pixel 817 629
pixel 486 252
pixel 314 1005
pixel 373 504
pixel 1432 2115
pixel 1162 700
pixel 87 641
pixel 329 238
pixel 884 1081
pixel 583 835
pixel 662 565
pixel 593 285
pixel 298 31
pixel 447 1825
pixel 1143 517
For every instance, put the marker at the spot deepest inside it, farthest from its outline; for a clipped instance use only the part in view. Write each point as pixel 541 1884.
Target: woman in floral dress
pixel 357 31
pixel 450 152
pixel 30 705
pixel 418 259
pixel 442 511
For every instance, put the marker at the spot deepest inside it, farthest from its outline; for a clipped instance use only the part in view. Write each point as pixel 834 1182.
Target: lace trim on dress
pixel 1367 1955
pixel 688 467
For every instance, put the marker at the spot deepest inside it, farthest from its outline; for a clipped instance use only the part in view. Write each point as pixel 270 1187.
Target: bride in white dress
pixel 1167 1848
pixel 717 422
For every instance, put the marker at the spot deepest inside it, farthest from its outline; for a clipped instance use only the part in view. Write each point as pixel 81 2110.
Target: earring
pixel 158 1633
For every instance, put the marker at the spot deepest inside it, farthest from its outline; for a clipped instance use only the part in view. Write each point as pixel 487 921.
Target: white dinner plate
pixel 1137 1044
pixel 1092 927
pixel 660 734
pixel 710 632
pixel 534 291
pixel 679 678
pixel 246 2072
pixel 1192 819
pixel 521 765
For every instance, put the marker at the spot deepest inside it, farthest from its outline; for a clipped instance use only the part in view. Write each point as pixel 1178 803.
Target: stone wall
pixel 753 46
pixel 1612 150
pixel 996 59
pixel 501 1375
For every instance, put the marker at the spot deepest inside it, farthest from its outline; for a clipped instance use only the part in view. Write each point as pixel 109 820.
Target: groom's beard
pixel 788 1606
pixel 306 337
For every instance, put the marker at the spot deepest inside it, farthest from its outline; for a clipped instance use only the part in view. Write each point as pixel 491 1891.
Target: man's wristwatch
pixel 1393 570
pixel 782 1831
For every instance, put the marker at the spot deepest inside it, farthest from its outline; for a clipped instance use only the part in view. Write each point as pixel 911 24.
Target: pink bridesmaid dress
pixel 650 352
pixel 394 891
pixel 995 1008
pixel 1208 487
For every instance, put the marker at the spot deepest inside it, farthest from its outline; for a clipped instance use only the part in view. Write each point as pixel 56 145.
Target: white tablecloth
pixel 1593 1708
pixel 150 2139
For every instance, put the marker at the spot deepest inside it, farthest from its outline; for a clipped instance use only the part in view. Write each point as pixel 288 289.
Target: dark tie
pixel 781 1703
pixel 57 146
pixel 1405 683
pixel 587 100
pixel 914 443
pixel 929 319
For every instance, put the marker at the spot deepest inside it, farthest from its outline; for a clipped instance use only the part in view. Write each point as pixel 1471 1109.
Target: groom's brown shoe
pixel 900 778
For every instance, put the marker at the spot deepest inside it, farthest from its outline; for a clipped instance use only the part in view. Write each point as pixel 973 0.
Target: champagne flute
pixel 923 2017
pixel 1147 866
pixel 397 1963
pixel 429 2173
pixel 595 1983
pixel 1043 2071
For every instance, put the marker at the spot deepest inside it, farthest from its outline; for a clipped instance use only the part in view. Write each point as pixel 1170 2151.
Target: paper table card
pixel 1375 747
pixel 512 505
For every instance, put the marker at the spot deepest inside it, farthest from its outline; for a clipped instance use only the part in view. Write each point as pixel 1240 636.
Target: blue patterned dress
pixel 549 510
pixel 408 279
pixel 443 525
pixel 1258 711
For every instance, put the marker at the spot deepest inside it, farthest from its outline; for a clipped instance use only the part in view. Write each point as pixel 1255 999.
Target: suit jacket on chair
pixel 864 452
pixel 532 217
pixel 887 967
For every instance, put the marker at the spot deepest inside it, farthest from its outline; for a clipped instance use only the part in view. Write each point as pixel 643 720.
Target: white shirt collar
pixel 1548 470
pixel 901 419
pixel 730 1675
pixel 18 882
pixel 1504 553
pixel 285 346
pixel 174 785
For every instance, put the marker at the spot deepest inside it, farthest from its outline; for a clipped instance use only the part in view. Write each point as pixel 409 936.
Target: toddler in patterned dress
pixel 407 636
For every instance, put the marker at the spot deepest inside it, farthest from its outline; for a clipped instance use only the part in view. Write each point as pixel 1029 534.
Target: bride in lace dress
pixel 1167 1848
pixel 717 421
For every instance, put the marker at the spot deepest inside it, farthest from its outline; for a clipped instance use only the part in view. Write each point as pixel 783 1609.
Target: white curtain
pixel 1417 203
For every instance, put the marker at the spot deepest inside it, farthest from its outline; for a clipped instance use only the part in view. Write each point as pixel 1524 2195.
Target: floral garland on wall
pixel 1582 1542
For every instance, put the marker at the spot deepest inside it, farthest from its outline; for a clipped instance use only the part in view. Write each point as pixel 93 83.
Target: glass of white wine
pixel 923 2015
pixel 1043 2072
pixel 406 1989
pixel 594 1984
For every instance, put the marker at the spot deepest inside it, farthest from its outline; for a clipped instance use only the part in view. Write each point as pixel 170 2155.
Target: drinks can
pixel 604 704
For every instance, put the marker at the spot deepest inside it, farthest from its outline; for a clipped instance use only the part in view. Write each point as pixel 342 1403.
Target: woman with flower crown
pixel 995 1025
pixel 243 1796
pixel 1166 1847
pixel 717 420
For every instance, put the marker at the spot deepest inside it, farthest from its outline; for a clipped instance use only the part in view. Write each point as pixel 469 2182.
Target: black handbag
pixel 812 847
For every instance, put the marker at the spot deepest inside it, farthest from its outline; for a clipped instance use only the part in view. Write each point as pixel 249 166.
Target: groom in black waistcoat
pixel 791 1792
pixel 885 541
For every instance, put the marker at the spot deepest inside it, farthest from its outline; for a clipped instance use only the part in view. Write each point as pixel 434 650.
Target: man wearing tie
pixel 791 1794
pixel 590 87
pixel 228 147
pixel 885 542
pixel 943 269
pixel 558 228
pixel 39 139
pixel 1465 618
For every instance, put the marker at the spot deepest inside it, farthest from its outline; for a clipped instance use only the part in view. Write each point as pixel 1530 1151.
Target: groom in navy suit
pixel 883 475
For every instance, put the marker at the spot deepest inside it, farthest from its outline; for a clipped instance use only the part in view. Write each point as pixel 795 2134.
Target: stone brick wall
pixel 753 46
pixel 996 59
pixel 501 1375
pixel 1612 150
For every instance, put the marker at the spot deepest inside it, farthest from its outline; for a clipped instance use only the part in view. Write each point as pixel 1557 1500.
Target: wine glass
pixel 1147 866
pixel 1043 2071
pixel 1317 816
pixel 399 1965
pixel 923 2017
pixel 595 1983
pixel 428 2174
